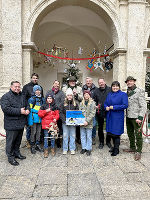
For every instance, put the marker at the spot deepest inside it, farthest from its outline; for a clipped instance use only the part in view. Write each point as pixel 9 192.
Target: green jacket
pixel 88 111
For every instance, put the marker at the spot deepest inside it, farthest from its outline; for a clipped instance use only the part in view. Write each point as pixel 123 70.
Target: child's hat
pixel 49 95
pixel 69 92
pixel 36 87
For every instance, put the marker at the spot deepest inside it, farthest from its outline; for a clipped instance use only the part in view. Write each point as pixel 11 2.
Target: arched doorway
pixel 72 25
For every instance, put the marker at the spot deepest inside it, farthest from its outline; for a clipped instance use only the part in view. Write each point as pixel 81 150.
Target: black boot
pixel 115 152
pixel 38 148
pixel 33 151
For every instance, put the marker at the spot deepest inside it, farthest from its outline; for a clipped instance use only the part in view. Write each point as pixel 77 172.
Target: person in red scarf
pixel 59 98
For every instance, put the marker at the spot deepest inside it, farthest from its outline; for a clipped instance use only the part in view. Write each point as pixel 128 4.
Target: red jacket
pixel 47 117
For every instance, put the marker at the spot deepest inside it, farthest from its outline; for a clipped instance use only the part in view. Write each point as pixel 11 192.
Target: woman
pixel 69 132
pixel 115 104
pixel 88 108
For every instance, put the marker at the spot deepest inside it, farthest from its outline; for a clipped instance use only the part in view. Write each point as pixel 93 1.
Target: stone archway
pixel 97 7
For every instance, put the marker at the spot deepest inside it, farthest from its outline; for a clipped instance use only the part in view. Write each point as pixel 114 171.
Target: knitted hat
pixel 69 91
pixel 87 91
pixel 36 87
pixel 129 78
pixel 49 95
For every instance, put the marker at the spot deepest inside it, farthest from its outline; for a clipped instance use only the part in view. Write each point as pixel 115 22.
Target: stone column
pixel 1 65
pixel 136 27
pixel 27 49
pixel 119 66
pixel 11 39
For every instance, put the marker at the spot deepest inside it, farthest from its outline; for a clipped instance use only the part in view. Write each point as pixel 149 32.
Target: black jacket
pixel 92 89
pixel 27 90
pixel 63 109
pixel 100 97
pixel 11 104
pixel 59 97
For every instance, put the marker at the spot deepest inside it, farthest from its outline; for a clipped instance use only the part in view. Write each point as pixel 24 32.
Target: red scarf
pixel 55 90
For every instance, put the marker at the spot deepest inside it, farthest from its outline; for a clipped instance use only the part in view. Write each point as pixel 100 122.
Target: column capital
pixel 137 1
pixel 29 46
pixel 118 51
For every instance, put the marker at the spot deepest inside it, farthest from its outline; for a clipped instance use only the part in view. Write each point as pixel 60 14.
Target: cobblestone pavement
pixel 76 177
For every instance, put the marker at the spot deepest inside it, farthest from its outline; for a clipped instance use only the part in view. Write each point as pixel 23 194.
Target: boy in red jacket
pixel 49 114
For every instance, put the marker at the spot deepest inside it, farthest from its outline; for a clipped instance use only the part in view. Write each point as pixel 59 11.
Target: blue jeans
pixel 94 128
pixel 86 138
pixel 69 132
pixel 46 134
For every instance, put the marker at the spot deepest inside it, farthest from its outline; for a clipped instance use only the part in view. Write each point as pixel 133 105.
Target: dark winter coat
pixel 68 105
pixel 92 89
pixel 100 97
pixel 48 117
pixel 11 104
pixel 59 97
pixel 115 117
pixel 27 90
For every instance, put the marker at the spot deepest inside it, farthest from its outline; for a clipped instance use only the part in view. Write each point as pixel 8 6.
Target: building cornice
pixel 118 51
pixel 29 46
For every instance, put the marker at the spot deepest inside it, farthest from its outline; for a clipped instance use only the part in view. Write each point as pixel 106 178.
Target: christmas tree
pixel 72 70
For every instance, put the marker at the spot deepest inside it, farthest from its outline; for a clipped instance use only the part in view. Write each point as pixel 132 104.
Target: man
pixel 15 112
pixel 78 95
pixel 135 113
pixel 91 87
pixel 27 92
pixel 59 98
pixel 100 95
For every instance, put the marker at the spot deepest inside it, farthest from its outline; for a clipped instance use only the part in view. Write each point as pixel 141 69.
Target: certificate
pixel 74 117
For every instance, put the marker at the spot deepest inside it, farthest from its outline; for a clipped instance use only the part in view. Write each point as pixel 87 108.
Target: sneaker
pixel 137 156
pixel 101 145
pixel 53 152
pixel 88 152
pixel 93 141
pixel 64 152
pixel 72 152
pixel 83 151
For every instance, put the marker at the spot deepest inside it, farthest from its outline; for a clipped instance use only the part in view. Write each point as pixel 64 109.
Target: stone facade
pixel 125 22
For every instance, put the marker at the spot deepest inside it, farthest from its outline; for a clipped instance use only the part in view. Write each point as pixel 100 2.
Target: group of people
pixel 45 117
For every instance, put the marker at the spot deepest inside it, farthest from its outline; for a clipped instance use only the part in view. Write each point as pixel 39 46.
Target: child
pixel 49 115
pixel 69 132
pixel 34 120
pixel 88 108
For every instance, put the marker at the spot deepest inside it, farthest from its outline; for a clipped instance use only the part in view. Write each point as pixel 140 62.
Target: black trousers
pixel 13 141
pixel 116 140
pixel 100 131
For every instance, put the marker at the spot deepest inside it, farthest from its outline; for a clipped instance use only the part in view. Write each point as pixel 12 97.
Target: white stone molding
pixel 146 52
pixel 118 51
pixel 29 46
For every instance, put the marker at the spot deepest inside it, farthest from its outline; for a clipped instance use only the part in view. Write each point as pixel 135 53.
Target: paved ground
pixel 76 177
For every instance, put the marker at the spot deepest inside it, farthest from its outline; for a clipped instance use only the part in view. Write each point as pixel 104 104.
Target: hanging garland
pixel 72 58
